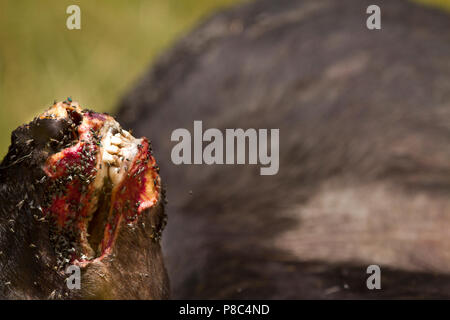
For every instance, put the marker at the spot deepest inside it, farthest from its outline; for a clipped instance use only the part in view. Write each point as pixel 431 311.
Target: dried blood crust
pixel 138 192
pixel 75 186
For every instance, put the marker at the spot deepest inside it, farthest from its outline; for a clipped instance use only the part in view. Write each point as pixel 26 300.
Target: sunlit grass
pixel 437 3
pixel 41 60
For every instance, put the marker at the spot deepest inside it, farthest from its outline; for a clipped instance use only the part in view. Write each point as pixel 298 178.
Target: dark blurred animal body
pixel 364 173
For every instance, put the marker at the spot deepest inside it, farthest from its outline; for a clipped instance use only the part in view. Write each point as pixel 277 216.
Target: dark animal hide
pixel 364 151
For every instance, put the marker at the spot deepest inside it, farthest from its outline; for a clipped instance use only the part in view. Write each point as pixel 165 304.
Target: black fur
pixel 27 258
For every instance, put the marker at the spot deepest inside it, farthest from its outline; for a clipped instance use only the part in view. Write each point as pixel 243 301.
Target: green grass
pixel 40 60
pixel 445 4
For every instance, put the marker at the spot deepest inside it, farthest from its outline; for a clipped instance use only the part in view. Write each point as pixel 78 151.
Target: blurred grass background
pixel 41 60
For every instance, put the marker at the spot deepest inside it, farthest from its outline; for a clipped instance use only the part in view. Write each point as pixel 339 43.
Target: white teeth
pixel 118 150
pixel 125 133
pixel 115 176
pixel 116 140
pixel 109 158
pixel 112 149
